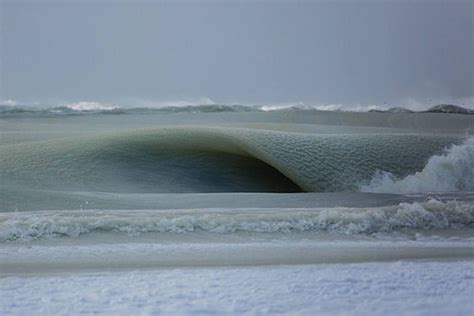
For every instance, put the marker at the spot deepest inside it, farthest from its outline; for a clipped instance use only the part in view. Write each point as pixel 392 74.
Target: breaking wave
pixel 451 171
pixel 419 216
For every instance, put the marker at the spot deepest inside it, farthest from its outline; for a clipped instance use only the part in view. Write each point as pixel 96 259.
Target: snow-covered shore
pixel 402 288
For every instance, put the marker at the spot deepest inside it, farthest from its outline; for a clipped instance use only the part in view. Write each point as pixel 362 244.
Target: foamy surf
pixel 431 215
pixel 451 171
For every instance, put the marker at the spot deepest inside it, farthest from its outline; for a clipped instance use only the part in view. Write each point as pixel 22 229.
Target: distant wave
pixel 300 106
pixel 90 106
pixel 450 171
pixel 420 216
pixel 94 108
pixel 11 108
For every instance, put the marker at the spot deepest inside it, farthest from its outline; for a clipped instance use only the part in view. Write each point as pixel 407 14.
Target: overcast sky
pixel 350 52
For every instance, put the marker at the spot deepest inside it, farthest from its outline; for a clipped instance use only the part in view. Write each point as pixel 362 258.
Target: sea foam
pixel 432 214
pixel 451 171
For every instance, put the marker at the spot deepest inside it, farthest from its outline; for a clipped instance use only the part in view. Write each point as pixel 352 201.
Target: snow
pixel 390 288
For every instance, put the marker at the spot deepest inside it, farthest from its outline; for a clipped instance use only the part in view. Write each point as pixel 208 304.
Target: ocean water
pixel 100 190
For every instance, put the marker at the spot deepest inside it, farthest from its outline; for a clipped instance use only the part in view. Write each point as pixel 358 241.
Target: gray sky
pixel 239 51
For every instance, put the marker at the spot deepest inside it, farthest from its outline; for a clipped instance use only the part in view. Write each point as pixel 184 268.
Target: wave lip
pixel 433 214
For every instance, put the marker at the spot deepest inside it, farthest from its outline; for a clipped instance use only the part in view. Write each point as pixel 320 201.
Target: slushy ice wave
pixel 196 159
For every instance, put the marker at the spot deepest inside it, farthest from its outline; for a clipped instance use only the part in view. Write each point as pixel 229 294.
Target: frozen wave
pixel 197 159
